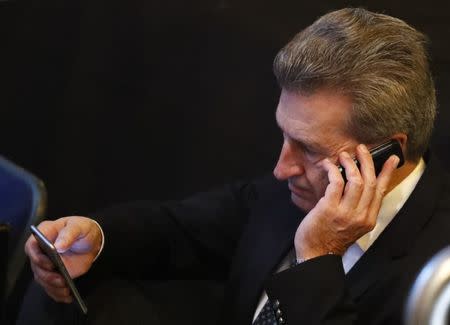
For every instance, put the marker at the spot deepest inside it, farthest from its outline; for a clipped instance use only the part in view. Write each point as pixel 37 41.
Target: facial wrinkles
pixel 296 129
pixel 347 146
pixel 311 126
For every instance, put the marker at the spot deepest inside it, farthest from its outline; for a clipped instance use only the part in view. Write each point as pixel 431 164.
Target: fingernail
pixel 59 245
pixel 396 160
pixel 345 154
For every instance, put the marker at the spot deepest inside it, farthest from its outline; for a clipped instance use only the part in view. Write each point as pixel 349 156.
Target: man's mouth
pixel 299 191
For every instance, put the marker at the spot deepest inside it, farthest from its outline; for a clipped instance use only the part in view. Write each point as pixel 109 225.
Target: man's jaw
pixel 302 198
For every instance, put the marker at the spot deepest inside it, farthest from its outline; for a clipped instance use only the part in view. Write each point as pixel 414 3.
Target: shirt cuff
pixel 103 240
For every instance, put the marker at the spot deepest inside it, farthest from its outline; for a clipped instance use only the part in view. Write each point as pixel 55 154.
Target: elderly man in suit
pixel 349 82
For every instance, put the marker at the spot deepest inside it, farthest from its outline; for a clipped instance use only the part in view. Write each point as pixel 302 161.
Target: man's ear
pixel 402 138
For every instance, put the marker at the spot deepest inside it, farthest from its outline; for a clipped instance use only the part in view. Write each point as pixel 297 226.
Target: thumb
pixel 66 237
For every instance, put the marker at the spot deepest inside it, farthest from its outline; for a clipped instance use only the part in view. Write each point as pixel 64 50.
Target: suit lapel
pixel 266 241
pixel 399 235
pixel 278 238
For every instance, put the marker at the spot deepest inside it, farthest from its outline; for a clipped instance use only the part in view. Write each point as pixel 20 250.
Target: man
pixel 352 80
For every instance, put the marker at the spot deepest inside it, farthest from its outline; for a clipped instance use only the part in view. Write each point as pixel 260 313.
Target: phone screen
pixel 50 250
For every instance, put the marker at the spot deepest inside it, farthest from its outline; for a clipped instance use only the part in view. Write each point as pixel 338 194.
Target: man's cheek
pixel 321 185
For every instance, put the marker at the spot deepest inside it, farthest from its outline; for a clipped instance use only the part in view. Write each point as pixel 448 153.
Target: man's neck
pixel 401 173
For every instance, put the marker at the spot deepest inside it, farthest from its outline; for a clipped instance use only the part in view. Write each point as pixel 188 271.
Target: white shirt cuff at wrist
pixel 103 240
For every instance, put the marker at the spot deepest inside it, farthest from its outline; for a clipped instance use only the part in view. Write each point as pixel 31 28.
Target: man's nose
pixel 289 163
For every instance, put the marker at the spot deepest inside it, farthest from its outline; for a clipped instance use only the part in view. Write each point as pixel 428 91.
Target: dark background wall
pixel 114 100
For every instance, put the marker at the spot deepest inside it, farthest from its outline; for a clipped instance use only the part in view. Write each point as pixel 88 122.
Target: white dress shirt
pixel 391 204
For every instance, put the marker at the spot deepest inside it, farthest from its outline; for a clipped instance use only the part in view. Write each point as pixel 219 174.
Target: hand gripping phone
pixel 380 154
pixel 49 249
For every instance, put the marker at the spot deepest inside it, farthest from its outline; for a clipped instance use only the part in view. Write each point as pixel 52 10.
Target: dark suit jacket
pixel 239 234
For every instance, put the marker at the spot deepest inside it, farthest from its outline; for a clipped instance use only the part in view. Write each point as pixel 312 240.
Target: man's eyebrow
pixel 312 145
pixel 308 143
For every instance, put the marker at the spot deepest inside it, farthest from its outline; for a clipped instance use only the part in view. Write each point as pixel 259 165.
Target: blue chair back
pixel 23 201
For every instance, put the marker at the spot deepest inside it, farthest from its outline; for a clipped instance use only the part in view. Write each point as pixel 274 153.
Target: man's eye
pixel 309 151
pixel 313 155
pixel 306 149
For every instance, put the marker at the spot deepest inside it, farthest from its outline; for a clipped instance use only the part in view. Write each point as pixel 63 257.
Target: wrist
pixel 305 251
pixel 300 260
pixel 307 248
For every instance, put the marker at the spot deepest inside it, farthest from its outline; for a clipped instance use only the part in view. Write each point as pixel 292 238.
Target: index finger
pixel 336 185
pixel 50 230
pixel 36 255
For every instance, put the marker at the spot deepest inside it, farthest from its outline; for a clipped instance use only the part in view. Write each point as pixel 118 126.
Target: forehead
pixel 320 116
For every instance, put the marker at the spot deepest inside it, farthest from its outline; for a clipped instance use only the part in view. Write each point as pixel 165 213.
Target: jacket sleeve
pixel 191 237
pixel 313 292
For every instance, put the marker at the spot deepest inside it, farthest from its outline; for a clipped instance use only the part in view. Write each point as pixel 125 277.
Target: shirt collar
pixel 391 204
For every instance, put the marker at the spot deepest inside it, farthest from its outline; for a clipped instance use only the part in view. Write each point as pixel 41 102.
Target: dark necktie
pixel 266 316
pixel 270 314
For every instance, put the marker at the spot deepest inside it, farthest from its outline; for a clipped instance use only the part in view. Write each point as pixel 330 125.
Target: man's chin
pixel 305 204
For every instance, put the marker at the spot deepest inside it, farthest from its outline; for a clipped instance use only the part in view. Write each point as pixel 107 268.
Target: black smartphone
pixel 380 154
pixel 49 249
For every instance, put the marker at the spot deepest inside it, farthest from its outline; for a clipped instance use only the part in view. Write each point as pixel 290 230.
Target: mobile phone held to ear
pixel 50 250
pixel 380 154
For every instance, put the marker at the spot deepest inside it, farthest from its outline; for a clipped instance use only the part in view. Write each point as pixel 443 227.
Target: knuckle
pixel 360 222
pixel 370 168
pixel 57 282
pixel 381 191
pixel 65 292
pixel 369 224
pixel 340 182
pixel 45 224
pixel 44 277
pixel 56 297
pixel 365 223
pixel 360 219
pixel 33 259
pixel 372 184
pixel 60 293
pixel 357 182
pixel 46 264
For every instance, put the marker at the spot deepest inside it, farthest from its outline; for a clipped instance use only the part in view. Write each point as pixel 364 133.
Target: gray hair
pixel 379 61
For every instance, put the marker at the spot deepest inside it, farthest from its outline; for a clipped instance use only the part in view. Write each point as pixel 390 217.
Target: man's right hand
pixel 347 211
pixel 77 239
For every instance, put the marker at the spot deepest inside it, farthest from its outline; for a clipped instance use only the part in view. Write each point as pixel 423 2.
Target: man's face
pixel 314 129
